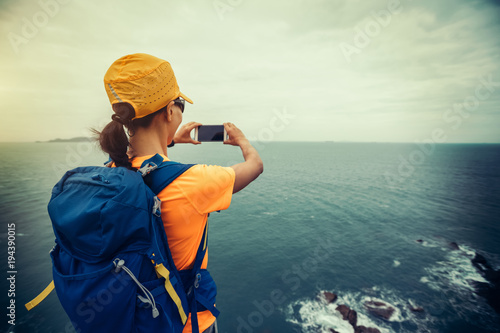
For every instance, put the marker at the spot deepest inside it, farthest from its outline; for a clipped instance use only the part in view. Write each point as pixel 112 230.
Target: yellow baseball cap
pixel 144 81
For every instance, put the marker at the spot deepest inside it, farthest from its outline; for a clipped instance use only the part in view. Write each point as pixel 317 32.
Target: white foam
pixel 454 278
pixel 424 279
pixel 315 315
pixel 455 271
pixel 428 244
pixel 396 263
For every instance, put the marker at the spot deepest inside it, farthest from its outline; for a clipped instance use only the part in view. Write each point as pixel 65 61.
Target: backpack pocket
pixel 169 318
pixel 94 296
pixel 203 285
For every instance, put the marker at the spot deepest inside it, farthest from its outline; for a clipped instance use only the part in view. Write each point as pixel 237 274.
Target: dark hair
pixel 113 139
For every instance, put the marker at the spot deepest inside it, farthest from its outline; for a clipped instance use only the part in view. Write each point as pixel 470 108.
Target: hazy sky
pixel 280 70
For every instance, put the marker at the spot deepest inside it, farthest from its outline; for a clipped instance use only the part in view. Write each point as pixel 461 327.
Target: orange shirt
pixel 186 203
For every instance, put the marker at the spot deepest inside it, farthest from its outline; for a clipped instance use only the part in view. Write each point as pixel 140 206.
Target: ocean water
pixel 338 217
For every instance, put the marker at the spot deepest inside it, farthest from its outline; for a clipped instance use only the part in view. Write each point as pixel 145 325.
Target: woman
pixel 147 103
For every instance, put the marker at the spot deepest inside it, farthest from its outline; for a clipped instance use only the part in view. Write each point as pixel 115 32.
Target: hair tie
pixel 119 119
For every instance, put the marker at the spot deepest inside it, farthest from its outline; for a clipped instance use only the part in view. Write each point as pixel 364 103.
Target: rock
pixel 416 308
pixel 333 331
pixel 347 314
pixel 490 291
pixel 379 309
pixel 330 297
pixel 419 241
pixel 454 246
pixel 363 329
pixel 481 264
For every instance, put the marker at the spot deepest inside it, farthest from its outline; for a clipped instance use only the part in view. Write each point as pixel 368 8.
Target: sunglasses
pixel 180 102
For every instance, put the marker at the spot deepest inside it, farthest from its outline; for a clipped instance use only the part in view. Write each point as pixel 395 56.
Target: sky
pixel 281 70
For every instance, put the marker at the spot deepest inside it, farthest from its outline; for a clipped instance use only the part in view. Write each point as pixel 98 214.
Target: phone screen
pixel 211 133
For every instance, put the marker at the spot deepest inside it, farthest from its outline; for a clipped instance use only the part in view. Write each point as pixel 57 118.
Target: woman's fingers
pixel 192 125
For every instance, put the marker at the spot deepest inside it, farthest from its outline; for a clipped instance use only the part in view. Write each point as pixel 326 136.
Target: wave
pixel 455 278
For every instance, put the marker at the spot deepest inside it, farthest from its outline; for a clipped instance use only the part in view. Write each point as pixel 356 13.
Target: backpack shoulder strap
pixel 158 174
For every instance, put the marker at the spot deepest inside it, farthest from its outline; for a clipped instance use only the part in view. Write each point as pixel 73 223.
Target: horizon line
pixel 278 141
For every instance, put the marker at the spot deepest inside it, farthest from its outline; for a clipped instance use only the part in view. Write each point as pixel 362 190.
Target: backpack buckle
pixel 145 170
pixel 157 207
pixel 197 280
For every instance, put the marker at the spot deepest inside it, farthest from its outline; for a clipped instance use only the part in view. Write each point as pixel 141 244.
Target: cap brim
pixel 187 99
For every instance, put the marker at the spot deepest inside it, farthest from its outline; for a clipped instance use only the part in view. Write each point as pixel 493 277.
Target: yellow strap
pixel 40 297
pixel 160 269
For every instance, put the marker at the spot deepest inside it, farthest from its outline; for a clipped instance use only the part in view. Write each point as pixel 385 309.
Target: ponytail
pixel 113 139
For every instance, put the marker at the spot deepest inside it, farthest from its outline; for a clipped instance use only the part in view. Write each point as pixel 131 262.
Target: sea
pixel 396 223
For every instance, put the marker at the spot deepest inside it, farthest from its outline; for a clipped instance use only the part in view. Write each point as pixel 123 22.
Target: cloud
pixel 259 57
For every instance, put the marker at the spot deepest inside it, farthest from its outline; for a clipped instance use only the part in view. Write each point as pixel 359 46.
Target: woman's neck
pixel 147 142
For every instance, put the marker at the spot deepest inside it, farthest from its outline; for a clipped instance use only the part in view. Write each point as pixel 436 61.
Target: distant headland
pixel 76 139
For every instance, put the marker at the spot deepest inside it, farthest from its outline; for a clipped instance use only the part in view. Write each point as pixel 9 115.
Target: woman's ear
pixel 170 111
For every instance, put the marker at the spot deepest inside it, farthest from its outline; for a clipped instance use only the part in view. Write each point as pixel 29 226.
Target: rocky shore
pixel 383 310
pixel 489 290
pixel 376 308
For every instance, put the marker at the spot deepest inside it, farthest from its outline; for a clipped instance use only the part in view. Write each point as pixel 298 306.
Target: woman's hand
pixel 236 136
pixel 183 134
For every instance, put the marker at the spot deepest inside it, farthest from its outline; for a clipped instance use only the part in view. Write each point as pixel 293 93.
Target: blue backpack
pixel 112 267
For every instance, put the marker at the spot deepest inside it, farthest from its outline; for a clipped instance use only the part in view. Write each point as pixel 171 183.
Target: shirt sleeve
pixel 208 187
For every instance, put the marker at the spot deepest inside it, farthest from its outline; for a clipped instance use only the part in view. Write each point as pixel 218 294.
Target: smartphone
pixel 210 133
